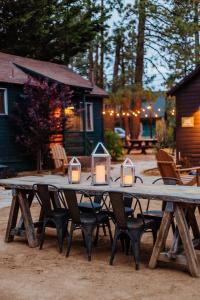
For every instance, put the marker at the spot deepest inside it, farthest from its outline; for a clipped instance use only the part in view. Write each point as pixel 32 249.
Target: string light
pixel 136 113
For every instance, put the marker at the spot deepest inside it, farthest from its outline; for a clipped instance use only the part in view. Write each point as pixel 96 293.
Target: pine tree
pixel 53 30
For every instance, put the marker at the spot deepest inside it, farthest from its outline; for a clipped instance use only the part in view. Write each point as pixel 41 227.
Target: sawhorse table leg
pixel 20 201
pixel 188 258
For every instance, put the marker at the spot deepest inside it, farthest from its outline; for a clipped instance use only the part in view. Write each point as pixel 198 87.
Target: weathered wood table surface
pixel 181 202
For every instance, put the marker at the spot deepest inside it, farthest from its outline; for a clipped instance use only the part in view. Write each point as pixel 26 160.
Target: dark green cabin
pixel 83 129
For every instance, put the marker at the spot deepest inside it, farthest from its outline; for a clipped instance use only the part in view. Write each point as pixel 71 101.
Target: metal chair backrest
pixel 59 156
pixel 72 204
pixel 167 168
pixel 43 195
pixel 117 202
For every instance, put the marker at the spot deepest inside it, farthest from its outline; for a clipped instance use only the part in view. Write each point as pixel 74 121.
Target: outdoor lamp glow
pixel 127 175
pixel 74 171
pixel 100 170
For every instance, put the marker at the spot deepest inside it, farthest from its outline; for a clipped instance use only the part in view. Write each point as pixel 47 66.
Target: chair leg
pixel 104 229
pixel 110 232
pixel 97 236
pixel 114 247
pixel 60 236
pixel 42 235
pixel 83 236
pixel 122 242
pixel 135 243
pixel 88 239
pixel 127 245
pixel 154 233
pixel 69 239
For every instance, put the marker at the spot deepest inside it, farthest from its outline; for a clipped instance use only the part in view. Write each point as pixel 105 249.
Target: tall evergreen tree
pixel 52 30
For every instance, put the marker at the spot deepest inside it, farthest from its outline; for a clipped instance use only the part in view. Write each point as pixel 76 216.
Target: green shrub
pixel 113 144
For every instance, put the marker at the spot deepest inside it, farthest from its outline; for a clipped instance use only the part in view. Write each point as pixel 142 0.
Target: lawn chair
pixel 60 159
pixel 171 174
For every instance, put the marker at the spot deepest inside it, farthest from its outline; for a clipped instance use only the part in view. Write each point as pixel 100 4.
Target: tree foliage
pixel 38 114
pixel 53 30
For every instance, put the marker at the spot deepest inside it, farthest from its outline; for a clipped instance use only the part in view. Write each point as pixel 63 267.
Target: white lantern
pixel 74 170
pixel 100 165
pixel 127 173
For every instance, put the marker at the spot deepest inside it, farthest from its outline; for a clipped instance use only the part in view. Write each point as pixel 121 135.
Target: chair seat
pixel 138 222
pixel 128 210
pixel 61 213
pixel 87 205
pixel 90 219
pixel 153 213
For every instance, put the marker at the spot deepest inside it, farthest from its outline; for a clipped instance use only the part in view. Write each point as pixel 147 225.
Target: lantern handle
pixel 91 176
pixel 136 178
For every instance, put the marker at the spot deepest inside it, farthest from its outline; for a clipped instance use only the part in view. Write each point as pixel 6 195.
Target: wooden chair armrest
pixel 188 169
pixel 178 166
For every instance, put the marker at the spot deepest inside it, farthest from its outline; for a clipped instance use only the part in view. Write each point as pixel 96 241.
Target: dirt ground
pixel 27 273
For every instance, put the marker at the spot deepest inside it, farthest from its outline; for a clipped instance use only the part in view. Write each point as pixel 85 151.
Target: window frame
pixel 5 102
pixel 91 117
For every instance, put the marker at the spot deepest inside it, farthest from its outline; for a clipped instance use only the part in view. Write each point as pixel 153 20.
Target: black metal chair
pixel 86 222
pixel 128 199
pixel 131 229
pixel 53 215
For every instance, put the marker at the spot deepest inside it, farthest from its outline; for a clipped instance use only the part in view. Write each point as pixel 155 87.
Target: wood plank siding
pixel 10 153
pixel 188 105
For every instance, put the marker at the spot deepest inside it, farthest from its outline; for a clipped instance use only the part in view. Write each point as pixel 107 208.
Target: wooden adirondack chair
pixel 172 174
pixel 60 159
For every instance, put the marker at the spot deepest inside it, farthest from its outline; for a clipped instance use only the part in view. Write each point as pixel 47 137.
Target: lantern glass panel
pixel 74 171
pixel 127 173
pixel 100 165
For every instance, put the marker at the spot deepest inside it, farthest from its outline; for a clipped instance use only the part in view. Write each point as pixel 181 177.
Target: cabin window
pixel 89 126
pixel 75 117
pixel 3 102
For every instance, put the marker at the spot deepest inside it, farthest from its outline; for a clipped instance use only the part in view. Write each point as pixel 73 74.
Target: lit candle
pixel 100 174
pixel 128 179
pixel 75 176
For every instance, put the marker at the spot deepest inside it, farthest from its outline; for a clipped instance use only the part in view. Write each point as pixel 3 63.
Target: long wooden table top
pixel 172 193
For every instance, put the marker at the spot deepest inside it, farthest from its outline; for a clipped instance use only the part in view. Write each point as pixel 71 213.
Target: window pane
pixel 74 120
pixel 2 101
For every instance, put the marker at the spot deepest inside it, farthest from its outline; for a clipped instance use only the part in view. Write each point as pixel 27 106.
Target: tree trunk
pixel 196 21
pixel 139 69
pixel 116 64
pixel 91 65
pixel 96 64
pixel 101 71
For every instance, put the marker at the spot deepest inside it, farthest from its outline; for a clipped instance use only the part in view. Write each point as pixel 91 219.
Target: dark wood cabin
pixel 187 94
pixel 82 131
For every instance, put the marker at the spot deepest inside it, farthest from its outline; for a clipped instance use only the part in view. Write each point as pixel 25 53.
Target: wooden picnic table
pixel 141 144
pixel 181 202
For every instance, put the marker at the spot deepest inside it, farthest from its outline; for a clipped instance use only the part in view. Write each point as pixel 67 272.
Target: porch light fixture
pixel 100 170
pixel 127 173
pixel 74 170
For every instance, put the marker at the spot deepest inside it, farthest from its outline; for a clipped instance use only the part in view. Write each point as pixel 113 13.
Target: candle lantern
pixel 100 165
pixel 127 173
pixel 74 170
